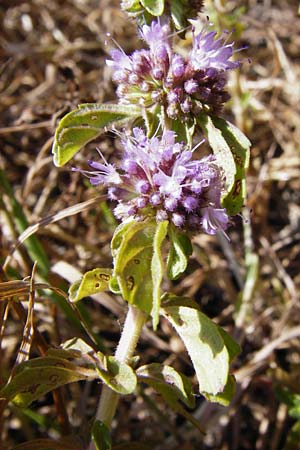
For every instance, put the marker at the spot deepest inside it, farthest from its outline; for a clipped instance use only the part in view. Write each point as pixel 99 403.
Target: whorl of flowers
pixel 182 85
pixel 159 178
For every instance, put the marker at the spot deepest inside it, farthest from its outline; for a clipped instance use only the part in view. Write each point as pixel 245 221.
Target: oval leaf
pixel 204 344
pixel 117 375
pixel 240 147
pixel 138 270
pixel 221 150
pixel 172 385
pixel 84 124
pixel 34 382
pixel 180 250
pixel 92 282
pixel 231 149
pixel 224 398
pixel 154 7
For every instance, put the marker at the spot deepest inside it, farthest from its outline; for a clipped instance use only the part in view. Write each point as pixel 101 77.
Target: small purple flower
pixel 214 219
pixel 182 85
pixel 211 53
pixel 158 177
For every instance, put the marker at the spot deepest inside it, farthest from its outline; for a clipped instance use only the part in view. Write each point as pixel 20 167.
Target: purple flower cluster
pixel 159 178
pixel 184 86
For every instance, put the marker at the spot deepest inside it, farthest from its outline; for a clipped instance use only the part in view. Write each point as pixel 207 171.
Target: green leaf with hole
pixel 203 341
pixel 101 436
pixel 172 385
pixel 118 376
pixel 132 249
pixel 36 377
pixel 154 7
pixel 86 123
pixel 92 282
pixel 231 149
pixel 136 248
pixel 180 250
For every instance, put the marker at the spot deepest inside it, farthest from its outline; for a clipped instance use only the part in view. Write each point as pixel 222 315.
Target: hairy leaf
pixel 132 248
pixel 84 124
pixel 231 149
pixel 180 250
pixel 138 264
pixel 225 397
pixel 172 385
pixel 240 147
pixel 154 7
pixel 41 375
pixel 118 376
pixel 221 150
pixel 92 282
pixel 203 342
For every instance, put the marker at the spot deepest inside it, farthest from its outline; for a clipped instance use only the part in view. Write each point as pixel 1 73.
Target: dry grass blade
pixel 28 332
pixel 67 212
pixel 13 288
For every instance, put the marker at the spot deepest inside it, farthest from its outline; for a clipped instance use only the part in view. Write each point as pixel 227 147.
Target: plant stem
pixel 108 402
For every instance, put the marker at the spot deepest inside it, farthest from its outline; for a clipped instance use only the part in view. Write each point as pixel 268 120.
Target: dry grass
pixel 52 58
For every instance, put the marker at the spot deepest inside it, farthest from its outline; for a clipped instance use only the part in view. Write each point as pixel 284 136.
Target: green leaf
pixel 92 282
pixel 231 149
pixel 233 347
pixel 203 342
pixel 184 130
pixel 101 436
pixel 154 7
pixel 138 269
pixel 86 123
pixel 118 376
pixel 132 249
pixel 221 150
pixel 225 397
pixel 38 376
pixel 177 14
pixel 180 250
pixel 157 269
pixel 172 385
pixel 240 147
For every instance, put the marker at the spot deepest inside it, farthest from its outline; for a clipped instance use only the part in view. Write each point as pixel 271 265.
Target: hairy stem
pixel 108 402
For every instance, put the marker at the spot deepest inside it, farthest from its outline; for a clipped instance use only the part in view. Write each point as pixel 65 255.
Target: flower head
pixel 159 178
pixel 184 86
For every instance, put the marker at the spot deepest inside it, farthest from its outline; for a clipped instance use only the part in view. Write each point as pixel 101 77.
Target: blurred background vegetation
pixel 53 58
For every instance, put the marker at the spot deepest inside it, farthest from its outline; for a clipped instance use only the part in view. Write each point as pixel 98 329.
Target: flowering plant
pixel 163 194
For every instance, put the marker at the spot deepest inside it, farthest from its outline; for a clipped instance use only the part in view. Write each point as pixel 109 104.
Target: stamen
pixel 198 145
pixel 115 42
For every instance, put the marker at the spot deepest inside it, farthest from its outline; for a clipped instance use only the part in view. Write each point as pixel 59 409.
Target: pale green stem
pixel 108 402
